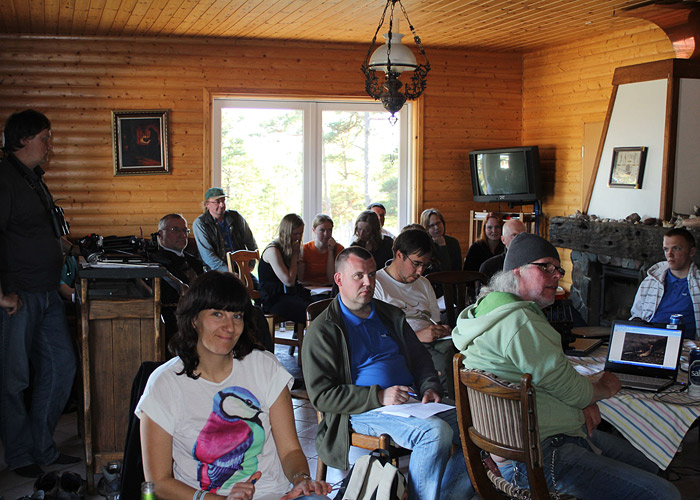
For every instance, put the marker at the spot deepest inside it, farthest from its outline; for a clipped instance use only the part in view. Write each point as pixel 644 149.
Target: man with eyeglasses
pixel 171 254
pixel 401 284
pixel 505 333
pixel 218 231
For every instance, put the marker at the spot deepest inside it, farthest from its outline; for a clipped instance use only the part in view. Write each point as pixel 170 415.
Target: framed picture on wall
pixel 140 142
pixel 628 167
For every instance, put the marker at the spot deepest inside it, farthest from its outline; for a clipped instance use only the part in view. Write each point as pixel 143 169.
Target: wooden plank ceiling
pixel 497 25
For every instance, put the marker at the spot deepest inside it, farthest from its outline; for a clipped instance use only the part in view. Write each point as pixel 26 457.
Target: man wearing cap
pixel 218 231
pixel 505 333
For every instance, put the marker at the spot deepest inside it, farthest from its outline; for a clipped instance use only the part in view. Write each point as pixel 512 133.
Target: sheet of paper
pixel 418 410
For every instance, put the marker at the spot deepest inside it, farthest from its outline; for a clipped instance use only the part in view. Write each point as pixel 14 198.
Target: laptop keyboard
pixel 642 382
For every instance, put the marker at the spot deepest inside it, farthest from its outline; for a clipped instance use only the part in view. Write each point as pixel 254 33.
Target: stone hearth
pixel 605 256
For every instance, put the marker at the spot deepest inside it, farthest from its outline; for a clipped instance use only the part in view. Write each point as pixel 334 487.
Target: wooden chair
pixel 238 264
pixel 498 417
pixel 460 289
pixel 364 441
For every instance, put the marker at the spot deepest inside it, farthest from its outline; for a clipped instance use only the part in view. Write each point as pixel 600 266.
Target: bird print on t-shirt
pixel 227 436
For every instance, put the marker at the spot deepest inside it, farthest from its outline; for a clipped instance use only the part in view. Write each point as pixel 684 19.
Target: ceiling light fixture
pixel 394 58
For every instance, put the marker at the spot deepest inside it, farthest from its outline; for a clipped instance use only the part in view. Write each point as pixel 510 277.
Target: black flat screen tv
pixel 506 175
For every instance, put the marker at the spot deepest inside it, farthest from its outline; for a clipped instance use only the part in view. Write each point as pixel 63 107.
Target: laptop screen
pixel 642 345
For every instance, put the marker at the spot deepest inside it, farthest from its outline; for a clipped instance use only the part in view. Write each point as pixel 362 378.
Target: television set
pixel 506 175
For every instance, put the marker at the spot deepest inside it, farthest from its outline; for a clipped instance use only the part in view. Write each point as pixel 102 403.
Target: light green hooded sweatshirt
pixel 507 336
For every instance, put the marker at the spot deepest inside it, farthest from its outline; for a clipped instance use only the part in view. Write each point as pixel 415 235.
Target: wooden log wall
pixel 473 100
pixel 566 87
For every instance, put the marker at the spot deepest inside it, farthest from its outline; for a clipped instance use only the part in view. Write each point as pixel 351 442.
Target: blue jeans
pixel 621 472
pixel 432 473
pixel 34 340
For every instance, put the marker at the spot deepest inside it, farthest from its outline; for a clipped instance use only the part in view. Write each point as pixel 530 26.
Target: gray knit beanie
pixel 526 248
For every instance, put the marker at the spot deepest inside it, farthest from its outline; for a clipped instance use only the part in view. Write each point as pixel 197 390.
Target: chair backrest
pixel 316 308
pixel 499 418
pixel 238 264
pixel 460 289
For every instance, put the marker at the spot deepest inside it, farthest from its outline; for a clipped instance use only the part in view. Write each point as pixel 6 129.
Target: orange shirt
pixel 315 263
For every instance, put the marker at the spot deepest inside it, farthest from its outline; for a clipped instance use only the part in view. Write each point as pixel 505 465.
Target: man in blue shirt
pixel 672 287
pixel 359 355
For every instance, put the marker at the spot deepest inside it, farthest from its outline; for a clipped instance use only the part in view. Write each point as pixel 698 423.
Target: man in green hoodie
pixel 505 333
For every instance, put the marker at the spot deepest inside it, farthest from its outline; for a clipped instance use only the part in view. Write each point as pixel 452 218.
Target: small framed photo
pixel 628 167
pixel 140 140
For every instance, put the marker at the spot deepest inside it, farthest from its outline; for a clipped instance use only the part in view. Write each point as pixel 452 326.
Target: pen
pixel 432 321
pixel 412 393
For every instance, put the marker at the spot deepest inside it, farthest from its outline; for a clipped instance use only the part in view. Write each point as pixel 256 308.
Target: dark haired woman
pixel 217 420
pixel 368 234
pixel 488 245
pixel 280 290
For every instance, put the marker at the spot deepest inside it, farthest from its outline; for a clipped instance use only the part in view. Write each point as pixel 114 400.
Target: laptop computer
pixel 644 355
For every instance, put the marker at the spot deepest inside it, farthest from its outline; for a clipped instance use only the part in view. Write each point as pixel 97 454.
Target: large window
pixel 277 157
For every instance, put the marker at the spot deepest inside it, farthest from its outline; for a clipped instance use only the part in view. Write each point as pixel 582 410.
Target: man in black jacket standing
pixel 32 320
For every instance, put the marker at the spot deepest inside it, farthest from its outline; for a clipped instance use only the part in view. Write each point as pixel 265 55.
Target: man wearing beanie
pixel 505 333
pixel 218 231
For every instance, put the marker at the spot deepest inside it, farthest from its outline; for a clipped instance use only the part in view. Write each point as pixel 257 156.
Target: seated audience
pixel 360 354
pixel 218 231
pixel 368 235
pixel 448 252
pixel 379 209
pixel 488 245
pixel 217 420
pixel 401 284
pixel 511 229
pixel 171 254
pixel 318 256
pixel 672 287
pixel 506 333
pixel 280 291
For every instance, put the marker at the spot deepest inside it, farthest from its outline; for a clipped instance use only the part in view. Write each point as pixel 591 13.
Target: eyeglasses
pixel 550 268
pixel 417 264
pixel 176 230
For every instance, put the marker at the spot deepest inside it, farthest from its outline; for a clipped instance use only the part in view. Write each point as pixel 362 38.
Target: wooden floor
pixel 684 470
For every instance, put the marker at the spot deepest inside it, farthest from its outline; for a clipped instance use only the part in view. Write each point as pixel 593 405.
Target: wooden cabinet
pixel 120 328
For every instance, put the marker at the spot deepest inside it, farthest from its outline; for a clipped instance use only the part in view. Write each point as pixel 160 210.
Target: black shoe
pixel 48 483
pixel 31 470
pixel 72 487
pixel 66 460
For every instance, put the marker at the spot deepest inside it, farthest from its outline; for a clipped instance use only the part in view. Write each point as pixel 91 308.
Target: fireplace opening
pixel 618 286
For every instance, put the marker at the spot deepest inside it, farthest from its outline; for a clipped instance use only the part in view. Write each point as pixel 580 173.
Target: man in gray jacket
pixel 218 231
pixel 359 355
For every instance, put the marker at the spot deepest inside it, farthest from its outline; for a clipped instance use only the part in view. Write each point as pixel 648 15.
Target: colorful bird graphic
pixel 226 437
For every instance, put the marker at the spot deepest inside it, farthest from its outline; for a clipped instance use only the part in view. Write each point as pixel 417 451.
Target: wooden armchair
pixel 364 441
pixel 460 288
pixel 498 417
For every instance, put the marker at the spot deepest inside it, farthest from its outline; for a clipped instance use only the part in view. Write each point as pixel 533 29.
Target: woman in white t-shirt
pixel 217 420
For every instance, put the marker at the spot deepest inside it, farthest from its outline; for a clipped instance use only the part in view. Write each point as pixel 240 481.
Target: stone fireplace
pixel 609 260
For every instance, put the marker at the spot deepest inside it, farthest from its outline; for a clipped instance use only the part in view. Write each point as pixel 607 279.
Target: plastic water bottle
pixel 148 491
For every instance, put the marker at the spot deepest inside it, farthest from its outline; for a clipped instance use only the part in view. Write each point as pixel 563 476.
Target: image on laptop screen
pixel 645 345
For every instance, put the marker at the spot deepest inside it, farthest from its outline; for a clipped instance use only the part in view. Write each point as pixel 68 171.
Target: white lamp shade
pixel 402 59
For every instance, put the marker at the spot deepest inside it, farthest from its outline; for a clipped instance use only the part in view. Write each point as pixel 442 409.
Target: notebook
pixel 644 355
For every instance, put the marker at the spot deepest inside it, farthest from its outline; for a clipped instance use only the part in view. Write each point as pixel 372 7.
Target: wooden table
pixel 120 328
pixel 654 427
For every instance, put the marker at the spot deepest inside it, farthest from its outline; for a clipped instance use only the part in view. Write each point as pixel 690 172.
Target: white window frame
pixel 312 147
